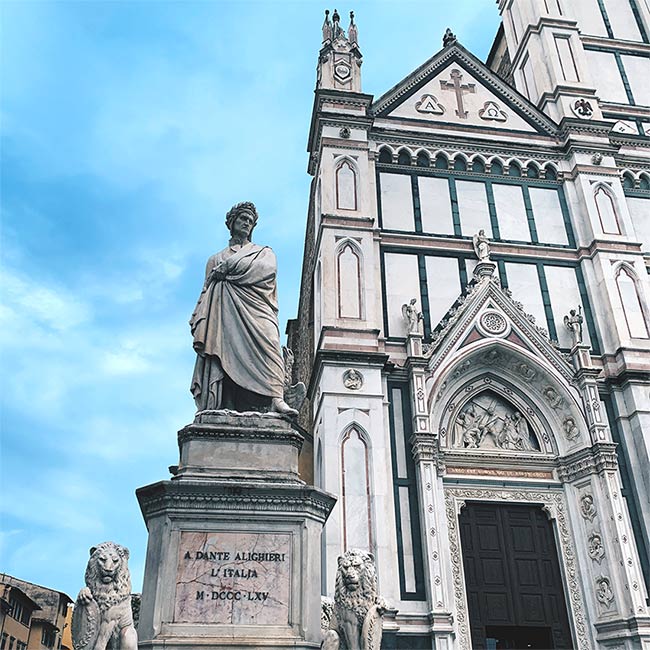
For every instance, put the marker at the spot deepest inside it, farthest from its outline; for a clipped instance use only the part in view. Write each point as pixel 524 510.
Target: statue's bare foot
pixel 278 405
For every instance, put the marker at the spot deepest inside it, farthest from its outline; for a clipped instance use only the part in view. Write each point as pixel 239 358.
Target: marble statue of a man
pixel 239 362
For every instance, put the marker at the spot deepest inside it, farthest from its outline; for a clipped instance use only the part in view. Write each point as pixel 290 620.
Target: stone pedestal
pixel 233 559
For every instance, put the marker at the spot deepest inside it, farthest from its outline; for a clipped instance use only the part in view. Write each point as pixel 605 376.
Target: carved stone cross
pixel 459 88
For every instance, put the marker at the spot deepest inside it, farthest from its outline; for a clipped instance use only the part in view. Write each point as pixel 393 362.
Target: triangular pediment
pixel 486 311
pixel 454 87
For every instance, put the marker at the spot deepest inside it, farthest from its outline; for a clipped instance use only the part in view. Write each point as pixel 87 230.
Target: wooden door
pixel 512 577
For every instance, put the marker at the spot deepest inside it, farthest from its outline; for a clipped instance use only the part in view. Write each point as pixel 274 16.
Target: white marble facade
pixel 492 402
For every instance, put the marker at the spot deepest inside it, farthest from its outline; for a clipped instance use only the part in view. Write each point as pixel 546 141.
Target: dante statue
pixel 239 362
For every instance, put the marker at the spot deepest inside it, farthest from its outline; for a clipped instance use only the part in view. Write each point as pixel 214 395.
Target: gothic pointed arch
pixel 404 157
pixel 355 488
pixel 494 397
pixel 347 181
pixel 423 158
pixel 607 208
pixel 634 309
pixel 550 172
pixel 349 279
pixel 385 155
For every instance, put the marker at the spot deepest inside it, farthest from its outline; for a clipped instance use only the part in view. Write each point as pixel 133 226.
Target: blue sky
pixel 127 131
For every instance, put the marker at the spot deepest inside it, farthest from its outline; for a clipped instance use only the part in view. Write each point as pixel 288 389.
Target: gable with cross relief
pixel 454 95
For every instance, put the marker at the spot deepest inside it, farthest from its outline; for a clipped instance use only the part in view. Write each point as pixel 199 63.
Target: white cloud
pixel 52 307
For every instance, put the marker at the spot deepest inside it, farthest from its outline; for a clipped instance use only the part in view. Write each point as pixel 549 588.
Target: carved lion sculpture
pixel 102 613
pixel 354 620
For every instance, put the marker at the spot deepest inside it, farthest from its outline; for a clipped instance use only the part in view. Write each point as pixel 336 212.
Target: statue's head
pixel 244 209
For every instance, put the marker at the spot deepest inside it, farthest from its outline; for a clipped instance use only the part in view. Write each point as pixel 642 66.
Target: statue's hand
pixel 218 272
pixel 85 596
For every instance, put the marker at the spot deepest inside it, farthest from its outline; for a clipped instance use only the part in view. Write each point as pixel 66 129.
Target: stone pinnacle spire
pixel 353 34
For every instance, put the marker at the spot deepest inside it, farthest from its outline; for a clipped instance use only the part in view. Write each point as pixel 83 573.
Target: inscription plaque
pixel 233 578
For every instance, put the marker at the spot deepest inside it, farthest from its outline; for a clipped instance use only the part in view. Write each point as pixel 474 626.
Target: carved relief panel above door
pixel 489 421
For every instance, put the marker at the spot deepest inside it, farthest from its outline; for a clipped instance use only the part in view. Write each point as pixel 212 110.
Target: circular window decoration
pixel 493 323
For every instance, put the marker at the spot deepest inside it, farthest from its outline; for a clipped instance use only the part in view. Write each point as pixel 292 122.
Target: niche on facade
pixel 488 421
pixel 355 483
pixel 607 212
pixel 628 291
pixel 346 185
pixel 349 275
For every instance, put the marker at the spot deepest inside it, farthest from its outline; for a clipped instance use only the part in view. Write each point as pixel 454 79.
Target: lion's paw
pixel 85 596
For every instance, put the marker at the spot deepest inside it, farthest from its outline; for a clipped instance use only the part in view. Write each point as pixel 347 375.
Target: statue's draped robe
pixel 235 328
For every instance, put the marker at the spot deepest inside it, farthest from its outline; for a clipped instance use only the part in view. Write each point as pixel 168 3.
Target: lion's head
pixel 107 574
pixel 356 582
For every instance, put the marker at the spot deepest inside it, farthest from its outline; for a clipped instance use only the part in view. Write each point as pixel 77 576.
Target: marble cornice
pixel 344 358
pixel 572 125
pixel 615 44
pixel 628 376
pixel 640 141
pixel 593 170
pixel 229 497
pixel 598 458
pixel 623 111
pixel 453 142
pixel 424 447
pixel 213 432
pixel 342 221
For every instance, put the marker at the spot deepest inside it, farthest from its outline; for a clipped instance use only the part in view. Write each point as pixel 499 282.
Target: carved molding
pixel 424 447
pixel 555 506
pixel 595 547
pixel 467 307
pixel 206 432
pixel 587 507
pixel 604 593
pixel 233 496
pixel 599 458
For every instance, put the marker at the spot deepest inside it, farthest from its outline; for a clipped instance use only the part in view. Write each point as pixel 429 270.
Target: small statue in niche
pixel 481 246
pixel 573 322
pixel 412 316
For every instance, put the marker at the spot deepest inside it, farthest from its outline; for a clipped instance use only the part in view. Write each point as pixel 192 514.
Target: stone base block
pixel 251 446
pixel 233 559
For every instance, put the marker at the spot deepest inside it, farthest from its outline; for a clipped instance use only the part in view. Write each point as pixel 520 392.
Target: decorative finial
pixel 449 38
pixel 353 34
pixel 327 27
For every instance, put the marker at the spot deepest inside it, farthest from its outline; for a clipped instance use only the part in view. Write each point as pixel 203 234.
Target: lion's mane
pixel 119 588
pixel 363 598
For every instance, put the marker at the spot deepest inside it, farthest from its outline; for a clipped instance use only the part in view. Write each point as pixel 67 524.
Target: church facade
pixel 474 329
